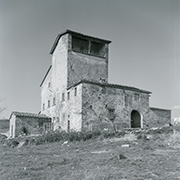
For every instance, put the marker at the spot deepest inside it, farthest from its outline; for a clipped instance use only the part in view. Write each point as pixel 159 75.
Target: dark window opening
pixel 88 47
pixel 48 103
pixel 54 101
pixel 49 85
pixel 75 91
pixel 97 49
pixel 47 126
pixel 103 90
pixel 63 98
pixel 80 45
pixel 68 124
pixel 43 107
pixel 136 97
pixel 68 95
pixel 111 114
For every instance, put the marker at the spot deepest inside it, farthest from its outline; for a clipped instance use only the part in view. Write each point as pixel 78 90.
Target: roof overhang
pixel 45 76
pixel 77 34
pixel 31 115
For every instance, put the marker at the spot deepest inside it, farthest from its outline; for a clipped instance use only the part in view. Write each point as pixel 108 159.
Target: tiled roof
pixel 76 33
pixel 111 85
pixel 45 75
pixel 26 114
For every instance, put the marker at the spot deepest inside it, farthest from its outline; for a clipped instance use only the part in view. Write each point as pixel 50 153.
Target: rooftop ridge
pixel 110 85
pixel 27 114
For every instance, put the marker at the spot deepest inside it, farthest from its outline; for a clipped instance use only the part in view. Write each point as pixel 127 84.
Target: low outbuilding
pixel 21 123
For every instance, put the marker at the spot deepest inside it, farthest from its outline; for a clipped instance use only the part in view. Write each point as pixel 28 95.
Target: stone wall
pixel 12 126
pixel 82 66
pixel 159 117
pixel 4 124
pixel 31 124
pixel 99 101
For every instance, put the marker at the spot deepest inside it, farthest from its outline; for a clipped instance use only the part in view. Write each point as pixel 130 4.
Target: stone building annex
pixel 76 95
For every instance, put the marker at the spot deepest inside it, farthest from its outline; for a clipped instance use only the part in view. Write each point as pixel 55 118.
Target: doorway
pixel 135 119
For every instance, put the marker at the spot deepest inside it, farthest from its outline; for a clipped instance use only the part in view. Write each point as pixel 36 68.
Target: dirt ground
pixel 132 157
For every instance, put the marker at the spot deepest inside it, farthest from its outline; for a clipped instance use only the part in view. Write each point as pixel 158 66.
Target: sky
pixel 144 53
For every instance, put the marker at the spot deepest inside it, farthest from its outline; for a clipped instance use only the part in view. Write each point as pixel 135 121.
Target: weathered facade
pixel 28 123
pixel 76 94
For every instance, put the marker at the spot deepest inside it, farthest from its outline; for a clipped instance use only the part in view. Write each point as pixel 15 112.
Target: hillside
pixel 141 156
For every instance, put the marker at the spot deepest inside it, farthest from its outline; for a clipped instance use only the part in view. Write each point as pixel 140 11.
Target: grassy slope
pixel 93 160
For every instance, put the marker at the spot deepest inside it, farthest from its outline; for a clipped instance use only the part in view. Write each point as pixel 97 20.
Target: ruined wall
pixel 86 66
pixel 159 117
pixel 99 101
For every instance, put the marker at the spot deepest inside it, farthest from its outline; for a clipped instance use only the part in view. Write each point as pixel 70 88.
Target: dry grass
pixel 94 159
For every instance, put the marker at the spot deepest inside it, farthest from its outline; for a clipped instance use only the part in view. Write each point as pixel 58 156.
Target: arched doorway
pixel 135 119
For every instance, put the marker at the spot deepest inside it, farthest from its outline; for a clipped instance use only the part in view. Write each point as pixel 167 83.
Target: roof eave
pixel 111 85
pixel 77 33
pixel 45 76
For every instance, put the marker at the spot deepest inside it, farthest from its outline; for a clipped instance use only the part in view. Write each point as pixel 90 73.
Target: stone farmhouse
pixel 76 95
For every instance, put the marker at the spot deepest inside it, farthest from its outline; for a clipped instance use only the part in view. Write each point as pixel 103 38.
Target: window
pixel 136 97
pixel 43 107
pixel 68 95
pixel 64 117
pixel 54 101
pixel 49 85
pixel 103 90
pixel 75 91
pixel 63 98
pixel 46 126
pixel 80 45
pixel 126 100
pixel 57 119
pixel 48 103
pixel 87 46
pixel 97 49
pixel 111 114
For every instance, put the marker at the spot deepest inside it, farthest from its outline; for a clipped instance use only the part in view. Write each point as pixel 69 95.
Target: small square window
pixel 68 95
pixel 48 103
pixel 63 98
pixel 54 101
pixel 54 119
pixel 136 97
pixel 58 119
pixel 75 91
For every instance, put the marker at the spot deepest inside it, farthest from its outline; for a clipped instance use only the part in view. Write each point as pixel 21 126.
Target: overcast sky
pixel 144 53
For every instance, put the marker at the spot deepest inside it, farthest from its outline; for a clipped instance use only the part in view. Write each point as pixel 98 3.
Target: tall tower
pixel 77 56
